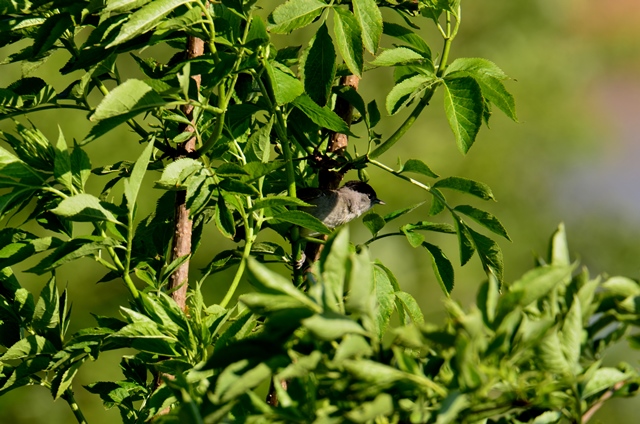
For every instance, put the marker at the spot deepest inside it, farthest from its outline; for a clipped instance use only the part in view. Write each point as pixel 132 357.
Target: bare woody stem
pixel 183 225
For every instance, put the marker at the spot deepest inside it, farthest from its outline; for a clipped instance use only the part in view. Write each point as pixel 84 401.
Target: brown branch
pixel 183 226
pixel 605 396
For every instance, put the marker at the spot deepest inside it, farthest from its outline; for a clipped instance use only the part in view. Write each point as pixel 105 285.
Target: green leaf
pixel 71 250
pixel 400 212
pixel 47 315
pixel 538 283
pixel 604 378
pixel 452 406
pixel 321 115
pixel 418 167
pixel 268 281
pixel 408 36
pixel 571 335
pixel 442 268
pixel 463 105
pixel 437 205
pixel 63 379
pixel 490 255
pixel 131 98
pixel 373 222
pixel 403 93
pixel 559 249
pixel 465 242
pixel 476 66
pixel 549 350
pixel 18 245
pixel 410 305
pixel 224 219
pixel 370 19
pixel 80 167
pixel 466 185
pixel 294 14
pixel 132 184
pixel 286 87
pixel 483 218
pixel 318 66
pixel 385 298
pixel 274 201
pixel 121 6
pixel 258 146
pixel 303 219
pixel 331 326
pixel 234 186
pixel 266 304
pixel 176 172
pixel 145 19
pixel 414 239
pixel 62 163
pixel 28 347
pixel 86 207
pixel 333 268
pixel 430 226
pixel 398 56
pixel 349 39
pixel 49 32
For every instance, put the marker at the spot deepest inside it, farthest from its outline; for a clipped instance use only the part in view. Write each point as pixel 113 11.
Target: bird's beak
pixel 379 202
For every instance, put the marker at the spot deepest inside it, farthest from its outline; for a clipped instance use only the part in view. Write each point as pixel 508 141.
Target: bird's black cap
pixel 364 188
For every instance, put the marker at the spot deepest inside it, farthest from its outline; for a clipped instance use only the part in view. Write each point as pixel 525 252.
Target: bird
pixel 337 207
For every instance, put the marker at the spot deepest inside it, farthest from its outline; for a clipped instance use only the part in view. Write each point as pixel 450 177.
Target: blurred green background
pixel 572 159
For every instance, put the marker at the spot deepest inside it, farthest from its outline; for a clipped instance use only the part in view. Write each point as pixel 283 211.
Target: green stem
pixel 240 271
pixel 400 132
pixel 281 131
pixel 75 408
pixel 372 239
pixel 40 108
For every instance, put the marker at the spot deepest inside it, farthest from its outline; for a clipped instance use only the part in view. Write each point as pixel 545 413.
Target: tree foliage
pixel 260 122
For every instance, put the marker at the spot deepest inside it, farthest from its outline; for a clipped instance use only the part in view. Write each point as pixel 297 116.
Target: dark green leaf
pixel 64 378
pixel 373 222
pixel 414 239
pixel 465 242
pixel 490 254
pixel 224 219
pixel 318 66
pixel 485 219
pixel 430 226
pixel 370 19
pixel 71 250
pixel 442 268
pixel 408 36
pixel 323 116
pixel 463 105
pixel 465 185
pixel 175 173
pixel 49 32
pixel 349 39
pixel 47 315
pixel 294 14
pixel 258 147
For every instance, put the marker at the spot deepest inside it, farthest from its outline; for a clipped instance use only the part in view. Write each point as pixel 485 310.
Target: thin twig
pixel 605 396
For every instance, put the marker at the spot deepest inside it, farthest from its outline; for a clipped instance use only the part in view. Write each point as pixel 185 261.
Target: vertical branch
pixel 330 180
pixel 183 226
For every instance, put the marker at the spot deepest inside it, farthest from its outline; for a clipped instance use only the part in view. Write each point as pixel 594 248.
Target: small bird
pixel 337 207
